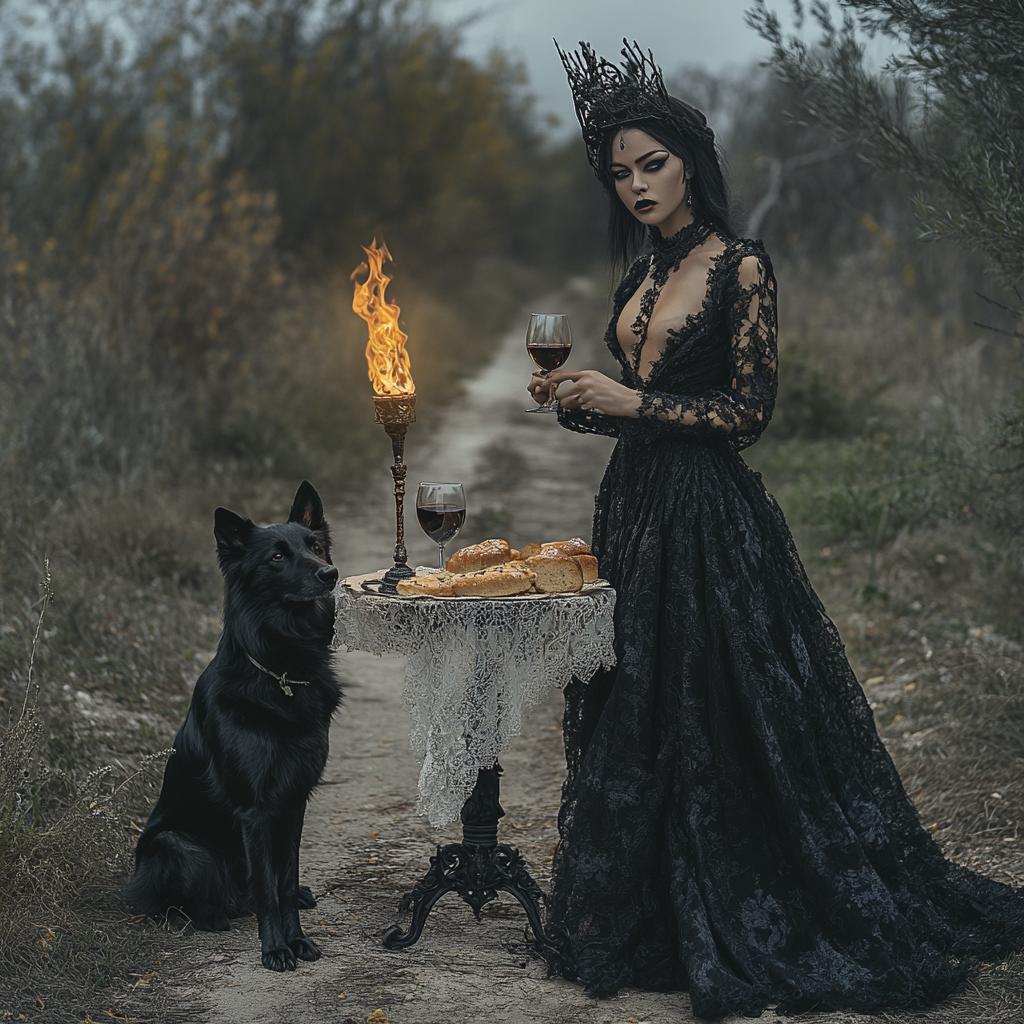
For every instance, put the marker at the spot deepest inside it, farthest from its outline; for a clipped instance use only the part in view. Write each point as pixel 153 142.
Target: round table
pixel 476 668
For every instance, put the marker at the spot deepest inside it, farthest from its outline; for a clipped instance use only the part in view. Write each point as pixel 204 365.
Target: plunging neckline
pixel 631 362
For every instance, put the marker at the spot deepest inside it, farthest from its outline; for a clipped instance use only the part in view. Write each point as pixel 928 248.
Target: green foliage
pixel 363 119
pixel 812 402
pixel 945 110
pixel 869 488
pixel 568 210
pixel 997 496
pixel 880 490
pixel 876 484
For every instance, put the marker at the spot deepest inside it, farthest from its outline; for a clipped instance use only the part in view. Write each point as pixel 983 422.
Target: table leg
pixel 477 869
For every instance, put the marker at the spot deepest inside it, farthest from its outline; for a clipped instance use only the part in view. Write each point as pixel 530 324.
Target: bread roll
pixel 529 551
pixel 427 586
pixel 479 556
pixel 555 573
pixel 575 546
pixel 588 566
pixel 497 581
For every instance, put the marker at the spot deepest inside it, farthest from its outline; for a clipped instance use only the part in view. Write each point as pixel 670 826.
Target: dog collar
pixel 282 679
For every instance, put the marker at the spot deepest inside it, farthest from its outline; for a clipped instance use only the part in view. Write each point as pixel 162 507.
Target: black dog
pixel 223 838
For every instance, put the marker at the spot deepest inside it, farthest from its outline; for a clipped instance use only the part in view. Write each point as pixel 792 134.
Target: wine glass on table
pixel 441 511
pixel 549 342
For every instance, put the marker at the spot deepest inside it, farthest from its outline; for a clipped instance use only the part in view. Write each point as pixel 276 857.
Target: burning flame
pixel 390 371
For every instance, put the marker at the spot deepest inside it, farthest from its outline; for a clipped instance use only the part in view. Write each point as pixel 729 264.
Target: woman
pixel 731 825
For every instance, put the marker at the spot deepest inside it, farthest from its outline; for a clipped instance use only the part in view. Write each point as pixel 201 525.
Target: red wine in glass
pixel 440 522
pixel 549 357
pixel 440 511
pixel 549 342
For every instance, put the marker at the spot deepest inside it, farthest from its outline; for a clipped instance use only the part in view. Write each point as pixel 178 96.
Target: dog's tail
pixel 175 875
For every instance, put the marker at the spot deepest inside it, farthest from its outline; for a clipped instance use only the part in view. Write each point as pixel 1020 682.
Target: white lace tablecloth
pixel 477 667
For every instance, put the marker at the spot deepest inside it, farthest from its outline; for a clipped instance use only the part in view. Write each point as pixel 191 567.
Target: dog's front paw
pixel 280 959
pixel 305 949
pixel 307 901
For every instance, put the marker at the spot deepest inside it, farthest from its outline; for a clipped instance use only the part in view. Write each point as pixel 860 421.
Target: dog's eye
pixel 317 550
pixel 277 557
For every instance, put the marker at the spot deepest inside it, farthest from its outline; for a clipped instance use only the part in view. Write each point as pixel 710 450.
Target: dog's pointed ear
pixel 307 508
pixel 232 532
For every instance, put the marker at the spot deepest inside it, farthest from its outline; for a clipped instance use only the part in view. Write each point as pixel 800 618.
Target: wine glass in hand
pixel 441 511
pixel 549 342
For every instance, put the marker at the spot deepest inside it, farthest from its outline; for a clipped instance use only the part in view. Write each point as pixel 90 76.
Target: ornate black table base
pixel 477 869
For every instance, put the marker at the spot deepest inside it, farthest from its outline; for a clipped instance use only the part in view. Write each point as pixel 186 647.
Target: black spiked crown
pixel 607 96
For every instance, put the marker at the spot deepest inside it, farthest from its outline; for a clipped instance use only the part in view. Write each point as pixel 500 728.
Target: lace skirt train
pixel 732 824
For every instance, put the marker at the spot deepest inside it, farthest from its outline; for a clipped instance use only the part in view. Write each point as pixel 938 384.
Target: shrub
pixel 812 403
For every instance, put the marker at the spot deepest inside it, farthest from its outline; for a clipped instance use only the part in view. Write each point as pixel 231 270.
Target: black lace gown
pixel 731 823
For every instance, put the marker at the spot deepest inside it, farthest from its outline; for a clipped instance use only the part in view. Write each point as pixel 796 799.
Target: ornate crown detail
pixel 606 95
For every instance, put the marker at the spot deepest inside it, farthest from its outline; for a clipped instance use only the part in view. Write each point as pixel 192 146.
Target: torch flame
pixel 390 371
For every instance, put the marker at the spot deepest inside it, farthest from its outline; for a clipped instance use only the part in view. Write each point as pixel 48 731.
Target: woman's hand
pixel 589 389
pixel 538 387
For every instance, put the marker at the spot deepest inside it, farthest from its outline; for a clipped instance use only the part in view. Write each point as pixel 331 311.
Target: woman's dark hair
pixel 626 235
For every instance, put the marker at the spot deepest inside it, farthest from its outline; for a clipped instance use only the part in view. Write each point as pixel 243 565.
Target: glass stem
pixel 440 556
pixel 552 402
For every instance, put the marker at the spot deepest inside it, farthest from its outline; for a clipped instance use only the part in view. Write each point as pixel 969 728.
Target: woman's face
pixel 650 181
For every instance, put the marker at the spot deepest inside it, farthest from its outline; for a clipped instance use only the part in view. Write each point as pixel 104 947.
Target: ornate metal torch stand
pixel 396 412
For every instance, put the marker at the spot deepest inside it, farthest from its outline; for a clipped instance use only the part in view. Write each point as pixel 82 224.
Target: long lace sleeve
pixel 583 421
pixel 740 411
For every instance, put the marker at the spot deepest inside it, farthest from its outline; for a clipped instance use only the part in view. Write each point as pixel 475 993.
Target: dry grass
pixel 947 689
pixel 65 937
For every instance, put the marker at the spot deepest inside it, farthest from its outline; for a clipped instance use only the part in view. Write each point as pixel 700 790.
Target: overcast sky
pixel 710 33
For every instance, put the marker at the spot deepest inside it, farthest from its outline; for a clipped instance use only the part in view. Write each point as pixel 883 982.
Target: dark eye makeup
pixel 650 167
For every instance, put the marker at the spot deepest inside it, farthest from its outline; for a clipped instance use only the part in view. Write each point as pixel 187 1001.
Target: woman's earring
pixel 622 140
pixel 689 195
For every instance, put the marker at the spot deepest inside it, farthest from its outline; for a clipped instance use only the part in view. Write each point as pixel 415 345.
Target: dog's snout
pixel 327 574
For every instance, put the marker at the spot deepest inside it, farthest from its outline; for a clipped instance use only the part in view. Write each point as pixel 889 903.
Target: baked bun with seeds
pixel 475 557
pixel 575 546
pixel 427 586
pixel 497 581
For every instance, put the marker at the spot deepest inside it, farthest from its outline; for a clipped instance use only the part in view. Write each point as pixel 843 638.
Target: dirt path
pixel 363 844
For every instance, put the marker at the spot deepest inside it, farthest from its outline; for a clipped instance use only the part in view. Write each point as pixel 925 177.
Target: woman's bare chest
pixel 651 313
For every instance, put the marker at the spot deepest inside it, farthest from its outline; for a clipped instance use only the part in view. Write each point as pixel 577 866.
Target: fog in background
pixel 708 33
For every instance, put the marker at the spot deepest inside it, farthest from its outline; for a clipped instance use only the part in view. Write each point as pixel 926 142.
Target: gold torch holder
pixel 395 413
